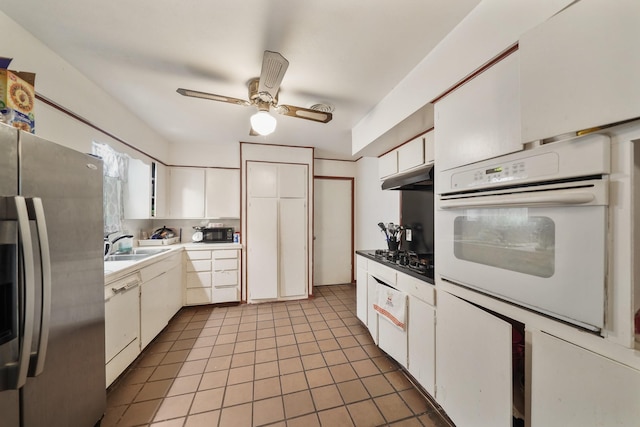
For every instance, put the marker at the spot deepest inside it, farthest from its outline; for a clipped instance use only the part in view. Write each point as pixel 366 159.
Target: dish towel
pixel 392 305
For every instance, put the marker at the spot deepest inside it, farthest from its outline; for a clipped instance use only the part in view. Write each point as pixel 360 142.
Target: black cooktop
pixel 416 265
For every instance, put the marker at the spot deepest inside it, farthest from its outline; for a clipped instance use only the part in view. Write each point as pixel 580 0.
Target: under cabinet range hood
pixel 418 179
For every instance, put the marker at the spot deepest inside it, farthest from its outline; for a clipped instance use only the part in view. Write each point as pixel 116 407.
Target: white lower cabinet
pixel 413 347
pixel 122 324
pixel 572 386
pixel 226 276
pixel 198 277
pixel 157 294
pixel 137 307
pixel 361 288
pixel 473 364
pixel 422 343
pixel 212 276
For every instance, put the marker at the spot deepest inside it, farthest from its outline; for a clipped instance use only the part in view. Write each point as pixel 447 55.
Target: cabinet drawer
pixel 224 254
pixel 198 254
pixel 198 296
pixel 226 294
pixel 199 265
pixel 417 288
pixel 224 278
pixel 225 264
pixel 199 280
pixel 160 267
pixel 383 273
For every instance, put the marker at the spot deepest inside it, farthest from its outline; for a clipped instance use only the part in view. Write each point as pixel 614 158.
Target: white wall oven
pixel 531 228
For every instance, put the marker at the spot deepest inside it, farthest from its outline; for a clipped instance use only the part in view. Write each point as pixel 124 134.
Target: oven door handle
pixel 521 200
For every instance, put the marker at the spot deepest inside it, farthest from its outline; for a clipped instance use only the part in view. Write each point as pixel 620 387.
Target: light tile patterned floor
pixel 299 363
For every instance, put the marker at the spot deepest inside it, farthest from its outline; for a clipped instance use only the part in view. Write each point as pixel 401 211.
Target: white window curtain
pixel 116 167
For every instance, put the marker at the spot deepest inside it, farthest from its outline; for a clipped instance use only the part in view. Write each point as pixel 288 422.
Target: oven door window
pixel 510 239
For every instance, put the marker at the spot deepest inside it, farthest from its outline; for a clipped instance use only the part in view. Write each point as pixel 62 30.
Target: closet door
pixel 262 247
pixel 262 180
pixel 293 247
pixel 292 181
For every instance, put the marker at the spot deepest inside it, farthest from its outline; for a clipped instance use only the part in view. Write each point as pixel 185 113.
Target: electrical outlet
pixel 407 234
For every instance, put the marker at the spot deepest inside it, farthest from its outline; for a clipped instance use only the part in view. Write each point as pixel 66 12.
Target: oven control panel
pixel 516 170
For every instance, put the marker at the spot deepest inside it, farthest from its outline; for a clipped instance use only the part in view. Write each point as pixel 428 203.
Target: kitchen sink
pixel 149 251
pixel 126 257
pixel 136 254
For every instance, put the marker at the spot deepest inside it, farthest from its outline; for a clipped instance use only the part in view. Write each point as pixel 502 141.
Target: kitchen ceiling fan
pixel 263 94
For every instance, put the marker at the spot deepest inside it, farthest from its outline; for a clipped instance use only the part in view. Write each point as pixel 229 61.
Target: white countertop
pixel 114 270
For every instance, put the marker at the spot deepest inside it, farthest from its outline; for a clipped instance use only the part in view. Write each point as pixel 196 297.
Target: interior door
pixel 262 247
pixel 333 231
pixel 473 369
pixel 293 247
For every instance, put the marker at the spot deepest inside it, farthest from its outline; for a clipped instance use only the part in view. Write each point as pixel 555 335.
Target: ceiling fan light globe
pixel 263 123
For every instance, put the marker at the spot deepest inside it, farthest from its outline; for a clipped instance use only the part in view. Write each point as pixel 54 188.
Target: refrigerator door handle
pixel 29 287
pixel 37 362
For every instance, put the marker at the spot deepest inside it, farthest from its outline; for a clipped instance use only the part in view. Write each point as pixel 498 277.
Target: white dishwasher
pixel 122 324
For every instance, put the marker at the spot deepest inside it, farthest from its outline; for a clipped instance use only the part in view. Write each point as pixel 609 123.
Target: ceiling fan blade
pixel 212 97
pixel 274 66
pixel 304 113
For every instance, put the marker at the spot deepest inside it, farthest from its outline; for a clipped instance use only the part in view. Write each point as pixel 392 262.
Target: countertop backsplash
pixel 186 225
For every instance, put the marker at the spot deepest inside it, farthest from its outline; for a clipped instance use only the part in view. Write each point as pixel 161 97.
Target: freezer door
pixel 71 388
pixel 8 270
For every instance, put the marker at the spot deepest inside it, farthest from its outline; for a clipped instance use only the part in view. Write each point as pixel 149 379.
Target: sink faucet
pixel 108 244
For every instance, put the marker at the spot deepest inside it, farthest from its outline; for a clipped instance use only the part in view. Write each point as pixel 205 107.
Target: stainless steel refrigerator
pixel 52 366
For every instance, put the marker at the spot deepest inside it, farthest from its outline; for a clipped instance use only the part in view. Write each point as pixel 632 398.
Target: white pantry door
pixel 333 213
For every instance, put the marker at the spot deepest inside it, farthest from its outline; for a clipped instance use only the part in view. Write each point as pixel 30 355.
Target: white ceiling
pixel 349 54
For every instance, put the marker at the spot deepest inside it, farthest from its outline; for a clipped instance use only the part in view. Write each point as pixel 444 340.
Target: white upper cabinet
pixel 203 193
pixel 480 119
pixel 429 148
pixel 411 154
pixel 580 69
pixel 223 193
pixel 388 164
pixel 137 191
pixel 415 153
pixel 186 192
pixel 159 203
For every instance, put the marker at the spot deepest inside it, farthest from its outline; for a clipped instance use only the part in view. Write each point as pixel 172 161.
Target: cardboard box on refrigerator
pixel 17 97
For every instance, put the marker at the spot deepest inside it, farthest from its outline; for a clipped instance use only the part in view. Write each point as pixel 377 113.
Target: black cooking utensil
pixel 383 228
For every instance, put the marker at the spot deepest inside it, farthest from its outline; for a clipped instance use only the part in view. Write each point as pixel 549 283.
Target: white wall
pixel 339 168
pixel 58 81
pixel 490 28
pixel 373 205
pixel 205 155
